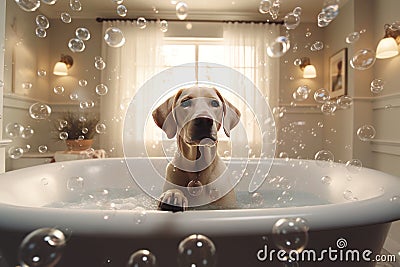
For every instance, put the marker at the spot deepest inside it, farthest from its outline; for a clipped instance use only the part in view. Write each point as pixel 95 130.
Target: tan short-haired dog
pixel 195 115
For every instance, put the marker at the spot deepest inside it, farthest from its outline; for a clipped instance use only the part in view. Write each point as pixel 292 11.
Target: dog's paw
pixel 173 200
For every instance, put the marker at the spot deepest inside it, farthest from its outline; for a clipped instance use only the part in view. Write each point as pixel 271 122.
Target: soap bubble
pixel 265 6
pixel 15 152
pixel 41 33
pixel 164 26
pixel 257 199
pixel 82 83
pixel 122 10
pixel 142 258
pixel 42 247
pixel 297 62
pixel 324 158
pixel 316 46
pixel 49 2
pixel 42 149
pixel 99 63
pixel 344 102
pixel 76 45
pixel 354 165
pixel 63 124
pixel 366 132
pixel 326 180
pixel 58 89
pixel 82 34
pixel 330 9
pixel 278 47
pixel 301 93
pixel 14 129
pixel 322 20
pixel 348 195
pixel 139 215
pixel 321 95
pixel 195 188
pixel 291 21
pixel 41 73
pixel 118 2
pixel 141 23
pixel 363 59
pixel 39 111
pixel 27 85
pixel 42 22
pixel 28 5
pixel 329 107
pixel 290 234
pixel 27 132
pixel 75 184
pixel 377 86
pixel 297 11
pixel 101 128
pixel 114 37
pixel 181 10
pixel 352 37
pixel 65 17
pixel 73 96
pixel 196 250
pixel 101 89
pixel 75 5
pixel 63 135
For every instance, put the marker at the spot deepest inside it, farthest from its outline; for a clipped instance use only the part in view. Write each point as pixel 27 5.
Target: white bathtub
pixel 361 218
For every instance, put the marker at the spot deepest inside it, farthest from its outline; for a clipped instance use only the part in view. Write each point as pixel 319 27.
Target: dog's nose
pixel 203 122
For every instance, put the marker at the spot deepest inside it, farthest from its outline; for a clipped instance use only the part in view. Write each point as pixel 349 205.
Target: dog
pixel 194 115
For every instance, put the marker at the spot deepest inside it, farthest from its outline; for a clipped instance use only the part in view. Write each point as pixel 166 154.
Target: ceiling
pixel 198 9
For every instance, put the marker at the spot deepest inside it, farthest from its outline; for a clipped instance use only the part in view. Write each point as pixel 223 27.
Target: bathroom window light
pixel 388 46
pixel 61 67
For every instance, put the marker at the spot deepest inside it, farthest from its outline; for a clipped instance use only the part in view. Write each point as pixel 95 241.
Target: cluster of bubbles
pixel 42 24
pixel 270 7
pixel 354 36
pixel 292 19
pixel 182 10
pixel 77 43
pixel 329 12
pixel 122 10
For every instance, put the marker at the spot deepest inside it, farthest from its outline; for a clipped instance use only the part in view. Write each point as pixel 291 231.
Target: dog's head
pixel 196 114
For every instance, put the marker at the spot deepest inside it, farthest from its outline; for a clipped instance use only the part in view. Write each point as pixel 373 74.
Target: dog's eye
pixel 214 103
pixel 186 103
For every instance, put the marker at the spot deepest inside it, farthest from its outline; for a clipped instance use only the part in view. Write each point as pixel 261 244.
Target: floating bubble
pixel 181 10
pixel 65 17
pixel 366 132
pixel 63 124
pixel 301 93
pixel 122 10
pixel 348 195
pixel 58 89
pixel 321 95
pixel 290 234
pixel 329 107
pixel 26 148
pixel 377 86
pixel 118 2
pixel 196 250
pixel 278 47
pixel 291 21
pixel 352 37
pixel 257 199
pixel 99 63
pixel 141 23
pixel 139 215
pixel 344 102
pixel 101 128
pixel 317 46
pixel 28 5
pixel 41 33
pixel 363 59
pixel 265 6
pixel 142 258
pixel 82 83
pixel 76 45
pixel 49 2
pixel 27 132
pixel 322 20
pixel 63 135
pixel 15 152
pixel 42 247
pixel 73 96
pixel 284 155
pixel 297 11
pixel 42 22
pixel 354 165
pixel 331 9
pixel 195 188
pixel 114 37
pixel 324 158
pixel 326 180
pixel 27 85
pixel 75 184
pixel 42 149
pixel 39 111
pixel 75 5
pixel 164 26
pixel 82 34
pixel 101 89
pixel 41 73
pixel 297 62
pixel 14 129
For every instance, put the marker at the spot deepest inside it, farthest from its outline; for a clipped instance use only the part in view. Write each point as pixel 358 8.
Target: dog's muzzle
pixel 202 132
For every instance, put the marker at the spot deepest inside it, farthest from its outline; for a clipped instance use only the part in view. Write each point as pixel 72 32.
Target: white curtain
pixel 127 68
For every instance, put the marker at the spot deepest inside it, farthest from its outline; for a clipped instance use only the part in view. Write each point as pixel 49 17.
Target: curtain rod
pixel 194 20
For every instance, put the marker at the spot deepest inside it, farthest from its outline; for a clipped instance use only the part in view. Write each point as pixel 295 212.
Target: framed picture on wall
pixel 338 73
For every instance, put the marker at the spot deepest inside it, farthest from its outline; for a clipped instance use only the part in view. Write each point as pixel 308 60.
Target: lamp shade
pixel 309 71
pixel 61 69
pixel 387 47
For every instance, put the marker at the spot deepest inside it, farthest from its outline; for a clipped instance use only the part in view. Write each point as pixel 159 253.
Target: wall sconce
pixel 61 68
pixel 388 46
pixel 309 70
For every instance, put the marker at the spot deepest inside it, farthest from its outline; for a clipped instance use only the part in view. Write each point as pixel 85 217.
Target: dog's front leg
pixel 173 200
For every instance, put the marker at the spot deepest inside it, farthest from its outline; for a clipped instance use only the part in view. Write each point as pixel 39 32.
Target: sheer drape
pixel 128 67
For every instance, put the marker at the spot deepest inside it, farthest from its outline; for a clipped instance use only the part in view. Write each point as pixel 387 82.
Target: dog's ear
pixel 164 118
pixel 231 115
